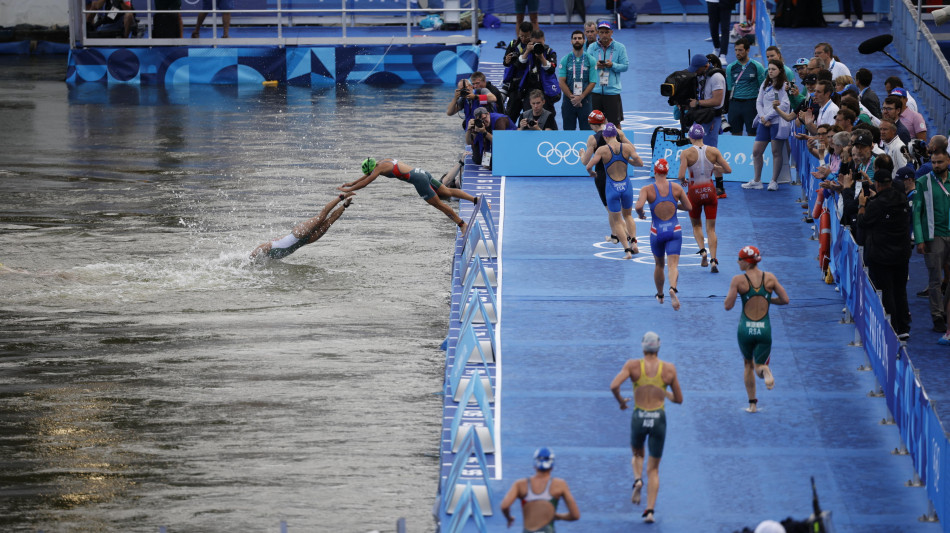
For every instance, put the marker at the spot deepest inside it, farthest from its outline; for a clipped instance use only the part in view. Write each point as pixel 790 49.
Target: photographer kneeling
pixel 538 117
pixel 479 134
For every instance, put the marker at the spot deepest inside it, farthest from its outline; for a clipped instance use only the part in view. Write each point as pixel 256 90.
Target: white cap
pixel 769 526
pixel 651 342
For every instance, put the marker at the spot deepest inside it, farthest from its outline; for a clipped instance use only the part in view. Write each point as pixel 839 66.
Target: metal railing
pixel 291 26
pixel 917 47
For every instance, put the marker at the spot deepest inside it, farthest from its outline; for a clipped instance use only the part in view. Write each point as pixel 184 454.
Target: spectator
pixel 824 111
pixel 537 57
pixel 467 99
pixel 893 146
pixel 577 75
pixel 867 96
pixel 110 18
pixel 479 134
pixel 590 34
pixel 537 117
pixel 911 119
pixel 858 13
pixel 842 82
pixel 892 108
pixel 720 19
pixel 845 119
pixel 894 82
pixel 875 136
pixel 539 495
pixel 744 76
pixel 863 155
pixel 771 127
pixel 824 52
pixel 611 59
pixel 207 6
pixel 773 52
pixel 938 143
pixel 932 233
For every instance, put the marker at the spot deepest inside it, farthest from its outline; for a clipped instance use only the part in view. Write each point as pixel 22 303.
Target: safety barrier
pixel 921 430
pixel 923 55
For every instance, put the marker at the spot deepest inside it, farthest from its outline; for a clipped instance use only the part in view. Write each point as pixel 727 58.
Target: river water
pixel 150 375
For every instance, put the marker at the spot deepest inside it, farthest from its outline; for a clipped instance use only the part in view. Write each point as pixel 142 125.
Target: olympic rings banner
pixel 539 153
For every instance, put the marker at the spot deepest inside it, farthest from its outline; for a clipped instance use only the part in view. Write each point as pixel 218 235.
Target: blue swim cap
pixel 696 132
pixel 544 459
pixel 368 165
pixel 610 130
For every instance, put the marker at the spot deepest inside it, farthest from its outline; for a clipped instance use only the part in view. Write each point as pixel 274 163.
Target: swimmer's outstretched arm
pixel 364 181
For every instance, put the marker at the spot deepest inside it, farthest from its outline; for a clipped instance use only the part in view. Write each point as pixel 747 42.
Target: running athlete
pixel 597 123
pixel 650 377
pixel 539 495
pixel 666 234
pixel 755 331
pixel 618 189
pixel 429 188
pixel 702 161
pixel 306 232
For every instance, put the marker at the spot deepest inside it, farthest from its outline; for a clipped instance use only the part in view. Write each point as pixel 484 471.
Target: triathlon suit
pixel 285 246
pixel 600 180
pixel 544 495
pixel 666 236
pixel 649 423
pixel 424 183
pixel 619 193
pixel 702 191
pixel 755 336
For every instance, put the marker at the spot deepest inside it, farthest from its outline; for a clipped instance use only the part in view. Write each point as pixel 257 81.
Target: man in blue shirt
pixel 611 58
pixel 577 75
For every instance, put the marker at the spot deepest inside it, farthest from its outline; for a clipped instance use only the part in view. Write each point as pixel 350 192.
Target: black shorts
pixel 610 105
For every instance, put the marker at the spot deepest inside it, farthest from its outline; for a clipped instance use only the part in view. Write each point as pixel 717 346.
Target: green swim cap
pixel 368 165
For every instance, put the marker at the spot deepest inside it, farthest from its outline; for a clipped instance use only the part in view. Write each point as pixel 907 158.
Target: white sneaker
pixel 773 186
pixel 846 23
pixel 859 24
pixel 752 185
pixel 723 59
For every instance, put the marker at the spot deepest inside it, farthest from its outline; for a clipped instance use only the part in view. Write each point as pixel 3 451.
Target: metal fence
pixel 917 47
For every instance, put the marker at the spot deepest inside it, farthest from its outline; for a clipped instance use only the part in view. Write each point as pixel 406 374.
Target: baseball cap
pixel 650 342
pixel 810 79
pixel 903 173
pixel 661 167
pixel 750 254
pixel 863 138
pixel 544 458
pixel 610 130
pixel 802 62
pixel 603 24
pixel 697 62
pixel 596 117
pixel 899 91
pixel 696 132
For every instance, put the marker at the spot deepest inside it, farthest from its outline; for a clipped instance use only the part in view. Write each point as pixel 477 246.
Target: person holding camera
pixel 479 134
pixel 540 61
pixel 577 75
pixel 611 59
pixel 883 213
pixel 537 117
pixel 468 97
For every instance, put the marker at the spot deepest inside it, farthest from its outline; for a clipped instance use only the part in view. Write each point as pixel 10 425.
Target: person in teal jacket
pixel 611 58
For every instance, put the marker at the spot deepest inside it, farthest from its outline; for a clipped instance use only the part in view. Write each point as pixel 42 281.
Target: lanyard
pixel 941 185
pixel 822 111
pixel 611 58
pixel 574 61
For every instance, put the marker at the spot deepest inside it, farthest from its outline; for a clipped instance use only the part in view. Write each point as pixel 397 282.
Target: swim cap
pixel 596 117
pixel 750 254
pixel 610 130
pixel 368 165
pixel 650 342
pixel 696 132
pixel 544 459
pixel 661 167
pixel 769 526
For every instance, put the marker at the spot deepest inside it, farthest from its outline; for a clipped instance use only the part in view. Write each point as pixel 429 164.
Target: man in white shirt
pixel 826 108
pixel 893 145
pixel 837 68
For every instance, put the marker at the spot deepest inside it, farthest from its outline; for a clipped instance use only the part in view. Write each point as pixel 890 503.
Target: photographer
pixel 539 61
pixel 468 97
pixel 479 133
pixel 883 214
pixel 537 117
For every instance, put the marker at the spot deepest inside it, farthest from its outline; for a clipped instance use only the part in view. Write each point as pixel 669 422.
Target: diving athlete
pixel 306 232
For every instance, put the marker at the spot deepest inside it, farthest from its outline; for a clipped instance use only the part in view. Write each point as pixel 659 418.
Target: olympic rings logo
pixel 562 152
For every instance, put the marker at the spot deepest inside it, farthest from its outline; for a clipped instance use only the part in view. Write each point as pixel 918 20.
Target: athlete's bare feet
pixel 752 406
pixel 769 379
pixel 628 253
pixel 674 300
pixel 635 497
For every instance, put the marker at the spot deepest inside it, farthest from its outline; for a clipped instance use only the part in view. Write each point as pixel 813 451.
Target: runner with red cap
pixel 702 161
pixel 597 123
pixel 666 234
pixel 755 330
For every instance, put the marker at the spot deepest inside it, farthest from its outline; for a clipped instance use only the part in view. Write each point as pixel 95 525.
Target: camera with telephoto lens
pixel 538 48
pixel 464 92
pixel 479 123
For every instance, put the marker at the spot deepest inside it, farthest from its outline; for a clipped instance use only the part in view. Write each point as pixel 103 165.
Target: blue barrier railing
pixel 917 47
pixel 920 428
